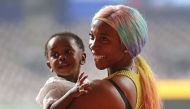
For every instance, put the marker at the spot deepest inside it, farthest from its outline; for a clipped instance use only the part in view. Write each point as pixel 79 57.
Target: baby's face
pixel 64 57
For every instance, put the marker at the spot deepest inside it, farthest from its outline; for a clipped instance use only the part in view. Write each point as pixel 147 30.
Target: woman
pixel 118 34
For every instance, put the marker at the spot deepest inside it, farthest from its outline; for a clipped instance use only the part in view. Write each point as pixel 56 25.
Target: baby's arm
pixel 52 90
pixel 52 96
pixel 76 91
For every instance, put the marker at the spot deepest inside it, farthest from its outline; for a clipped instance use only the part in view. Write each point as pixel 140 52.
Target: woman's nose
pixel 93 45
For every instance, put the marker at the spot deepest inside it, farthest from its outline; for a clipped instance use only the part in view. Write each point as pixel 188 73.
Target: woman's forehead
pixel 99 26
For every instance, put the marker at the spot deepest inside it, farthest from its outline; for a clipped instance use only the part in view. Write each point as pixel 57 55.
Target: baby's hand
pixel 81 85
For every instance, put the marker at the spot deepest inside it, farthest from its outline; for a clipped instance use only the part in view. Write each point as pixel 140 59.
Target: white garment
pixel 60 87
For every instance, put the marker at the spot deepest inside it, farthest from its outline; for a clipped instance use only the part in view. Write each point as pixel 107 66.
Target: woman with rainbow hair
pixel 117 37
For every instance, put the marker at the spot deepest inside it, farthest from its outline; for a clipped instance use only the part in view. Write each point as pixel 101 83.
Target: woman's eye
pixel 104 38
pixel 91 36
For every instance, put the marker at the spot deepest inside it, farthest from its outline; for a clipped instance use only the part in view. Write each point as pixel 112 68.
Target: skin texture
pixel 108 52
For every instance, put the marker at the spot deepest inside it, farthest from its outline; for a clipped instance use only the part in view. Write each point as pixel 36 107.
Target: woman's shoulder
pixel 99 84
pixel 128 86
pixel 100 96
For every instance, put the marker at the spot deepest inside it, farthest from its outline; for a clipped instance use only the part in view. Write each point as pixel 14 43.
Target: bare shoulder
pixel 101 95
pixel 128 87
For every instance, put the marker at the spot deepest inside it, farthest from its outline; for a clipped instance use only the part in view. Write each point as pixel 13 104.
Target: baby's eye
pixel 68 52
pixel 55 55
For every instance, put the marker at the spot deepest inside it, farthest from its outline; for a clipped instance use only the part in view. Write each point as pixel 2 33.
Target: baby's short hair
pixel 77 39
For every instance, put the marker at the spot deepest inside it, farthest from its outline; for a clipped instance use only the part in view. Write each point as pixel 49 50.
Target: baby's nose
pixel 62 58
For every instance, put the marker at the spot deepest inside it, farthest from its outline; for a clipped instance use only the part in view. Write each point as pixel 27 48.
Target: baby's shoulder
pixel 58 83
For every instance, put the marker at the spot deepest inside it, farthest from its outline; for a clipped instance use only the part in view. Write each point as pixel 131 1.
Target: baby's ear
pixel 48 64
pixel 83 59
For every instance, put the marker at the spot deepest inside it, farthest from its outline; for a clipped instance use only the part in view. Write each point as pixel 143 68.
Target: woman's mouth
pixel 99 57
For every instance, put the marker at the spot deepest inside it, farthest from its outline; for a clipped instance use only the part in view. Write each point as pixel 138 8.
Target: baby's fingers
pixel 81 80
pixel 81 75
pixel 84 86
pixel 83 91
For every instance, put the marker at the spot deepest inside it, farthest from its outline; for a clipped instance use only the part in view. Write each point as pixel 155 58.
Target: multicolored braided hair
pixel 133 32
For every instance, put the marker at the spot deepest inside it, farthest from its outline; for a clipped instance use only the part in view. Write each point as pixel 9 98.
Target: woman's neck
pixel 112 71
pixel 129 66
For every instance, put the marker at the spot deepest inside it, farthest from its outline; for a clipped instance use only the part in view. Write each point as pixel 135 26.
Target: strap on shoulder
pixel 127 104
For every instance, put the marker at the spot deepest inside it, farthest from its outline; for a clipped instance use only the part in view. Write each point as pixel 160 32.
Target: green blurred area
pixel 20 106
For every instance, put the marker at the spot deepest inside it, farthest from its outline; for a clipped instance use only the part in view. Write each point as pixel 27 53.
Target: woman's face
pixel 105 45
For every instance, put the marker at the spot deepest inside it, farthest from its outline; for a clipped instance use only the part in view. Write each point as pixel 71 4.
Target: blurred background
pixel 25 26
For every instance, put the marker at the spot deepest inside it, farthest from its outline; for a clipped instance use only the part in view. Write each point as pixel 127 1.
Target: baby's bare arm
pixel 52 96
pixel 79 89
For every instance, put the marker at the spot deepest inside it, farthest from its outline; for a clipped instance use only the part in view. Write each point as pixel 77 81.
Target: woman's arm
pixel 101 95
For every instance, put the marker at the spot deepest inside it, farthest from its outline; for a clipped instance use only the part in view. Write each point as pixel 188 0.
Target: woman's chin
pixel 100 67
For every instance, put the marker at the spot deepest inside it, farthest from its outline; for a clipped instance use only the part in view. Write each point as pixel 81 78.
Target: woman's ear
pixel 83 59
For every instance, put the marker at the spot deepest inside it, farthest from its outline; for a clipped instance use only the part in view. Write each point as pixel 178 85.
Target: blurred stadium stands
pixel 25 25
